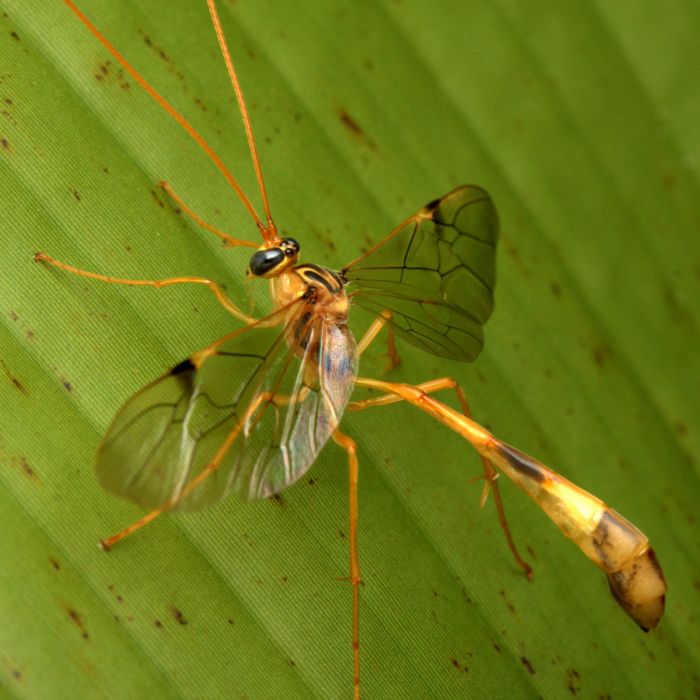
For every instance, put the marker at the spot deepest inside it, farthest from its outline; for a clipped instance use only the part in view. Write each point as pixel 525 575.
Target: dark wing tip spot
pixel 185 366
pixel 432 206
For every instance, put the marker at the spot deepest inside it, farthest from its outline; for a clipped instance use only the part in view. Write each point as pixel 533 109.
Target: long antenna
pixel 244 111
pixel 164 104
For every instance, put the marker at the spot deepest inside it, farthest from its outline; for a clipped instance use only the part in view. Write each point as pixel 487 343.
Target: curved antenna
pixel 164 104
pixel 240 99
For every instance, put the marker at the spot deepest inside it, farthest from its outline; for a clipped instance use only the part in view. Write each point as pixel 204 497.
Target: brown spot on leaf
pixel 526 662
pixel 573 681
pixel 507 602
pixel 14 35
pixel 460 667
pixel 178 615
pixel 22 463
pixel 355 129
pixel 158 624
pixel 55 563
pixel 77 619
pixel 681 428
pixel 5 144
pixel 158 199
pixel 13 379
pixel 601 353
pixel 77 196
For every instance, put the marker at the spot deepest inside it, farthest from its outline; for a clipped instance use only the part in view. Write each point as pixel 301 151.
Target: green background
pixel 581 120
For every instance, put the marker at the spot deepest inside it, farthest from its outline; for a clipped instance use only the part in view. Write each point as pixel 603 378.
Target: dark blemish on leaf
pixel 507 602
pixel 556 290
pixel 76 194
pixel 158 624
pixel 681 428
pixel 292 663
pixel 158 200
pixel 178 615
pixel 55 563
pixel 117 596
pixel 14 35
pixel 531 551
pixel 78 621
pixel 573 678
pixel 514 254
pixel 342 534
pixel 17 674
pixel 497 648
pixel 285 579
pixel 8 101
pixel 105 170
pixel 25 467
pixel 67 385
pixel 526 662
pixel 5 144
pixel 602 353
pixel 13 379
pixel 230 621
pixel 355 129
pixel 279 500
pixel 460 667
pixel 311 482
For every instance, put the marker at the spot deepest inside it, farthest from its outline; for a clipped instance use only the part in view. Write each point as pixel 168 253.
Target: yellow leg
pixel 490 473
pixel 230 241
pixel 372 332
pixel 350 446
pixel 224 300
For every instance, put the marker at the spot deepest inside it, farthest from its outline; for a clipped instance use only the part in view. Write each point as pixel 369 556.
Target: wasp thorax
pixel 269 262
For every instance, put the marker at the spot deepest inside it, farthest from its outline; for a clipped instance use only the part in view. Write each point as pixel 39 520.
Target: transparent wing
pixel 435 272
pixel 262 415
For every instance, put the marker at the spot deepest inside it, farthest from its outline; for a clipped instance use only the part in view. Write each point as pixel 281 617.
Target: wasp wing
pixel 261 417
pixel 435 272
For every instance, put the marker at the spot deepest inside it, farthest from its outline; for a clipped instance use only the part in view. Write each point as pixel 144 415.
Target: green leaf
pixel 579 118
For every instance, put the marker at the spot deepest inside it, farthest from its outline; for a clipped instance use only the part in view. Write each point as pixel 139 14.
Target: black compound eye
pixel 265 260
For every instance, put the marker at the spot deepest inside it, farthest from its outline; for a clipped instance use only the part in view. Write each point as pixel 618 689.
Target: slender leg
pixel 230 241
pixel 372 332
pixel 490 473
pixel 222 298
pixel 350 446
